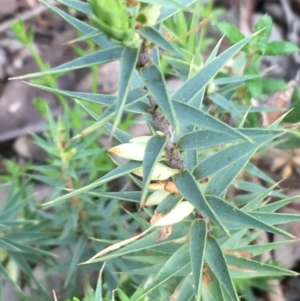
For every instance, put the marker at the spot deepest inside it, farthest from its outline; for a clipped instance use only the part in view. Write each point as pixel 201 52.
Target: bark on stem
pixel 160 120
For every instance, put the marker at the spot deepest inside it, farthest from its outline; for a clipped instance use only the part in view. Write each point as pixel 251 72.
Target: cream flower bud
pixel 177 214
pixel 160 172
pixel 171 187
pixel 157 185
pixel 140 139
pixel 182 240
pixel 130 151
pixel 148 14
pixel 145 139
pixel 156 197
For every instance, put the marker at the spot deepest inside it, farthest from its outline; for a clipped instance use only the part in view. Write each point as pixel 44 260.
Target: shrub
pixel 199 242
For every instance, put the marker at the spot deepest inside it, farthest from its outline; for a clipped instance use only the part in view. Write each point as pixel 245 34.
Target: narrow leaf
pixel 128 62
pixel 178 261
pixel 257 249
pixel 198 82
pixel 220 181
pixel 80 25
pixel 281 48
pixel 227 105
pixel 96 58
pixel 153 35
pixel 186 290
pixel 154 149
pixel 223 158
pixel 211 290
pixel 130 196
pixel 116 173
pixel 173 4
pixel 246 268
pixel 236 217
pixel 78 5
pixel 165 13
pixel 151 241
pixel 189 188
pixel 216 260
pixel 154 81
pixel 191 115
pixel 276 218
pixel 76 257
pixel 198 234
pixel 274 206
pixel 204 138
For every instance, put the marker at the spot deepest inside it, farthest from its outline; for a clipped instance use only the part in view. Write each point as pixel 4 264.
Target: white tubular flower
pixel 130 151
pixel 160 172
pixel 179 212
pixel 156 197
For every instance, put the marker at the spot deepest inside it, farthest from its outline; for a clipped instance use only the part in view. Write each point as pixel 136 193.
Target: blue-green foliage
pixel 208 241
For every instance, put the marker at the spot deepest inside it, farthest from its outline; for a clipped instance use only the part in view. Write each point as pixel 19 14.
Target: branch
pixel 160 120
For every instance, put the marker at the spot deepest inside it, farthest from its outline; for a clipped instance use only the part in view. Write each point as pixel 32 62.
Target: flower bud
pixel 148 14
pixel 171 187
pixel 140 139
pixel 160 172
pixel 156 197
pixel 182 240
pixel 177 214
pixel 130 151
pixel 112 17
pixel 157 185
pixel 145 139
